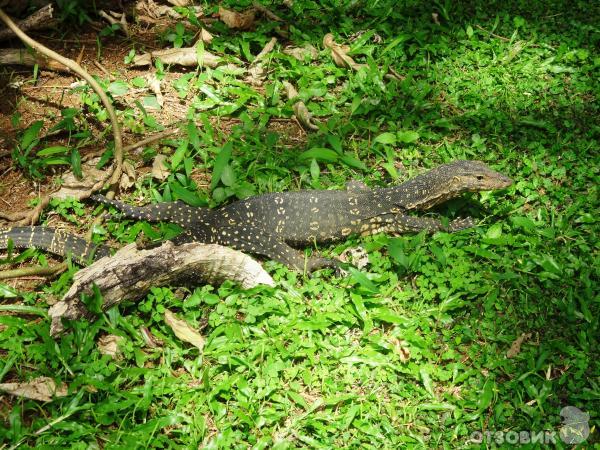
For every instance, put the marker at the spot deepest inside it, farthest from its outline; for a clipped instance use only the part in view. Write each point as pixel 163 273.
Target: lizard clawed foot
pixel 317 263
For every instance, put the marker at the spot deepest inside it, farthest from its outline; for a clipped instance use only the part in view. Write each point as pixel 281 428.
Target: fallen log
pixel 130 273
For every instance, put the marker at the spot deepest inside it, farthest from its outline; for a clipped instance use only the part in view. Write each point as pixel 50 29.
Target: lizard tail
pixel 55 241
pixel 175 212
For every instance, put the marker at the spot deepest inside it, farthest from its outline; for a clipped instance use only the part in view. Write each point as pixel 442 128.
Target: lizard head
pixel 450 180
pixel 474 176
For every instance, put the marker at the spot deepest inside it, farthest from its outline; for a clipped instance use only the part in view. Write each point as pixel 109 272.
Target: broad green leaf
pixel 523 222
pixel 221 161
pixel 320 154
pixel 478 251
pixel 150 102
pixel 549 264
pixel 494 232
pixel 351 161
pixel 7 291
pixel 138 82
pixel 31 134
pixel 390 169
pixel 407 137
pixel 386 138
pixel 486 395
pixel 426 379
pixel 362 279
pixel 118 88
pixel 335 142
pixel 76 163
pixel 57 160
pixel 359 307
pixel 193 135
pixel 54 150
pixel 385 315
pixel 228 176
pixel 189 197
pixel 396 251
pixel 436 407
pixel 315 170
pixel 179 154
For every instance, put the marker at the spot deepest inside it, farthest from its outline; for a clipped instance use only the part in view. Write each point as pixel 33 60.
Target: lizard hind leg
pixel 254 240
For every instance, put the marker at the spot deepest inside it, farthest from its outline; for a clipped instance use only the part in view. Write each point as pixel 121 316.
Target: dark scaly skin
pixel 271 224
pixel 55 241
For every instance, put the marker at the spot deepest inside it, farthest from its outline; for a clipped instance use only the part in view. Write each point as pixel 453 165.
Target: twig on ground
pixel 115 174
pixel 42 18
pixel 502 38
pixel 22 57
pixel 267 12
pixel 24 309
pixel 39 271
pixel 268 48
pixel 104 70
pixel 149 140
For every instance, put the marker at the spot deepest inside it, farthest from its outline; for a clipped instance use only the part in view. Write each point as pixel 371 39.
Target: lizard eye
pixel 480 177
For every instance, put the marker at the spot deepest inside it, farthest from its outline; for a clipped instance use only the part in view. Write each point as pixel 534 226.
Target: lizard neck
pixel 421 193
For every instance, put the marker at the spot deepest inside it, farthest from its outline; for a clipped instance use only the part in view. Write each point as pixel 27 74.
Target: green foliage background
pixel 410 352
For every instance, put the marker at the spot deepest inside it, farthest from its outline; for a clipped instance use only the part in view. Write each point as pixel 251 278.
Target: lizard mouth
pixel 504 181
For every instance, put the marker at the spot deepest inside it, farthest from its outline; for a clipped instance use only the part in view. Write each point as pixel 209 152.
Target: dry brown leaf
pixel 300 110
pixel 237 20
pixel 183 331
pixel 116 18
pixel 160 170
pixel 109 345
pixel 150 340
pixel 127 177
pixel 149 11
pixel 187 56
pixel 302 53
pixel 340 53
pixel 154 85
pixel 42 388
pixel 205 36
pixel 304 116
pixel 268 48
pixel 402 348
pixel 179 2
pixel 515 348
pixel 256 75
pixel 266 11
pixel 72 187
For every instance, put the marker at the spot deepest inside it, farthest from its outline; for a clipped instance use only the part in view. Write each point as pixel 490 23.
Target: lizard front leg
pixel 401 223
pixel 405 223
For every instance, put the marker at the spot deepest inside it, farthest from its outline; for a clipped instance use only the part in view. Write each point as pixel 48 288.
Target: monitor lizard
pixel 273 224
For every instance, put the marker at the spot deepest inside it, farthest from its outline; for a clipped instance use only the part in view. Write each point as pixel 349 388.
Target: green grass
pixel 412 352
